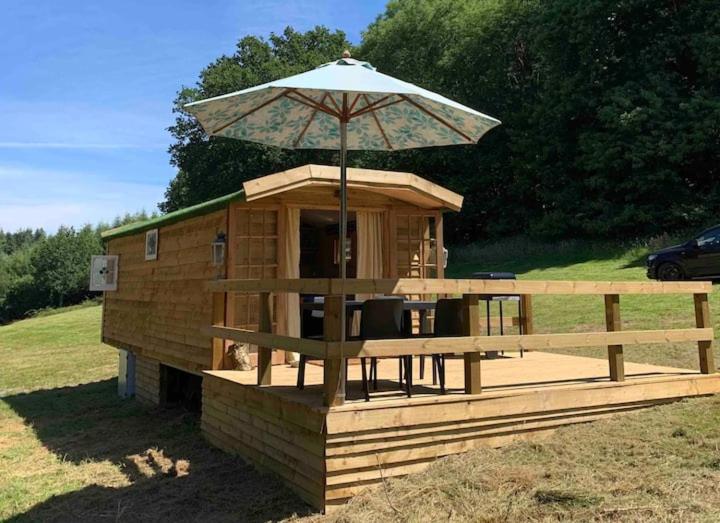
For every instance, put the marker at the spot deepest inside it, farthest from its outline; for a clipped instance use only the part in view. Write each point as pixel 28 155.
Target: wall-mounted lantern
pixel 218 250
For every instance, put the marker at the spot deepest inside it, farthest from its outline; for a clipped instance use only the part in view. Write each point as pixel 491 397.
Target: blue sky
pixel 86 91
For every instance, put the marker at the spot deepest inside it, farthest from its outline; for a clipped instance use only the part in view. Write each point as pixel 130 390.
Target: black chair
pixel 382 318
pixel 449 322
pixel 312 327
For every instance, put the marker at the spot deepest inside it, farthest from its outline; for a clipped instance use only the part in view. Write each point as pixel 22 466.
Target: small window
pixel 103 273
pixel 151 244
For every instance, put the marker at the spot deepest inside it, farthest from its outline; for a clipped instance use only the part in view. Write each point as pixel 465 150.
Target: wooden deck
pixel 328 454
pixel 504 374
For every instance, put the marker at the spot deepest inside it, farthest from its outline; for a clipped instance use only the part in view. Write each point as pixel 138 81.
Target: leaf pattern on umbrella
pixel 277 116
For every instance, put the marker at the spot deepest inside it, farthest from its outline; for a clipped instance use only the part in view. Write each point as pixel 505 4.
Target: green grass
pixel 70 449
pixel 598 262
pixel 54 350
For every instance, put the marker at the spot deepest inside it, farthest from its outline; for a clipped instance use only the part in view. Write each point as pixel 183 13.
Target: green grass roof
pixel 173 217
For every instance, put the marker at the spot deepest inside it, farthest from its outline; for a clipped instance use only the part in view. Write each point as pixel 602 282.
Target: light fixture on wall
pixel 218 249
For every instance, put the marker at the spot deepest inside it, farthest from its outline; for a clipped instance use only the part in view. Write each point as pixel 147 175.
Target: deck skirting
pixel 328 455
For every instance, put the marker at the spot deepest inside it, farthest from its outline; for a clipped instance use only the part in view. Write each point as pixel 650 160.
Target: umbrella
pixel 341 105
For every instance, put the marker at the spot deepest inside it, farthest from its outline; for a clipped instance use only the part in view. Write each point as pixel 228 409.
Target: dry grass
pixel 662 464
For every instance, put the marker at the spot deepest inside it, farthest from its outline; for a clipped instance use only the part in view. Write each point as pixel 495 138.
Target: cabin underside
pixel 328 455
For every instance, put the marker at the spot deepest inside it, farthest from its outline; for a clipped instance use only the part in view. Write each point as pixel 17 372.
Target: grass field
pixel 71 450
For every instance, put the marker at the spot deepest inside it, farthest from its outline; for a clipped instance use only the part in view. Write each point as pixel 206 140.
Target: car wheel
pixel 670 272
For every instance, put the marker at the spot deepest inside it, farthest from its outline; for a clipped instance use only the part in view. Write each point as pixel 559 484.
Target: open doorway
pixel 319 246
pixel 320 258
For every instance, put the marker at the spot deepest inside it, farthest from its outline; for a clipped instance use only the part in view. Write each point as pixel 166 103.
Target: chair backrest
pixel 382 318
pixel 449 315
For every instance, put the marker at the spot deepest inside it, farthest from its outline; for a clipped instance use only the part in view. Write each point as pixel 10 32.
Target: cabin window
pixel 151 244
pixel 417 255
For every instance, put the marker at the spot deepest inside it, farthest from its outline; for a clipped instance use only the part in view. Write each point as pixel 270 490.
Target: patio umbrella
pixel 342 105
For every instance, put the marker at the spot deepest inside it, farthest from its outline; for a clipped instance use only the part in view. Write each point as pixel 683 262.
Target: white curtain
pixel 369 226
pixel 289 303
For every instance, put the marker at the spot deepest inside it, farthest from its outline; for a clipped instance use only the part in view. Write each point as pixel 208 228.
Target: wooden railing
pixel 472 344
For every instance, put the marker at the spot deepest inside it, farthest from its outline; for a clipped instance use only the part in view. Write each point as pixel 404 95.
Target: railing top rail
pixel 400 286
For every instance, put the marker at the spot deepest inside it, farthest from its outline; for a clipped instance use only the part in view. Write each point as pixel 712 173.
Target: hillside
pixel 71 450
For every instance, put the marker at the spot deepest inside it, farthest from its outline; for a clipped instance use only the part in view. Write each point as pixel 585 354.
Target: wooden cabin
pixel 234 269
pixel 279 226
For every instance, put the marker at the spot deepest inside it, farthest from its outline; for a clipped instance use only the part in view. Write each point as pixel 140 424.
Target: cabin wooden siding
pixel 160 305
pixel 147 381
pixel 256 426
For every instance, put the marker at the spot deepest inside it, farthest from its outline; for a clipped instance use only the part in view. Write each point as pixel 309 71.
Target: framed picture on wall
pixel 151 244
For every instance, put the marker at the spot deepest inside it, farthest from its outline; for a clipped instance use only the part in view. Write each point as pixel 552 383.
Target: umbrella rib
pixel 236 120
pixel 306 100
pixel 387 142
pixel 375 107
pixel 307 125
pixel 337 107
pixel 371 106
pixel 439 119
pixel 355 101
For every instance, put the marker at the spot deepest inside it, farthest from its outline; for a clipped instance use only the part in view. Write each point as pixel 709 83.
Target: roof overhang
pixel 403 186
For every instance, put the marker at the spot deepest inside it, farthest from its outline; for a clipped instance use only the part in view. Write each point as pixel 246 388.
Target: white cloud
pixel 31 197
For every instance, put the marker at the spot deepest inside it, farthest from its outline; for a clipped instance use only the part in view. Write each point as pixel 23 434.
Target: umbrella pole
pixel 343 255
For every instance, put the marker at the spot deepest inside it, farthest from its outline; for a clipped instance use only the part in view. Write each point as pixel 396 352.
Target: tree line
pixel 610 110
pixel 40 270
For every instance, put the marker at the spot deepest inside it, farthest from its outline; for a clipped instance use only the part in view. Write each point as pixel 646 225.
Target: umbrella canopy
pixel 305 111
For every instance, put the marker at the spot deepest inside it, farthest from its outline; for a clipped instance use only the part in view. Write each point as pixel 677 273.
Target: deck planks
pixel 352 447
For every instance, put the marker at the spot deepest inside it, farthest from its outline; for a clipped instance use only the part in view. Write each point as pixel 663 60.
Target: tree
pixel 610 111
pixel 61 264
pixel 211 167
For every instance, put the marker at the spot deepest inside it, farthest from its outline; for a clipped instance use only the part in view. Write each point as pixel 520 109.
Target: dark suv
pixel 696 258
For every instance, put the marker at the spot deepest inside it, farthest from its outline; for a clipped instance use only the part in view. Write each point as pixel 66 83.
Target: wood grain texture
pixel 329 455
pixel 264 368
pixel 401 286
pixel 613 323
pixel 513 342
pixel 334 369
pixel 406 187
pixel 160 306
pixel 702 320
pixel 247 422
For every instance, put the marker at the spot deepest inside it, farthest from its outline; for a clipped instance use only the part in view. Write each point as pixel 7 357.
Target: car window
pixel 709 239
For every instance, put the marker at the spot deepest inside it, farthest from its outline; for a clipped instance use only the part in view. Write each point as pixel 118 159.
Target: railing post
pixel 702 321
pixel 264 325
pixel 218 318
pixel 333 368
pixel 613 323
pixel 471 316
pixel 526 314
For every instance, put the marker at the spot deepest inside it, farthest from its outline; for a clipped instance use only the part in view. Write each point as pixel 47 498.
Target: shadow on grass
pixel 173 473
